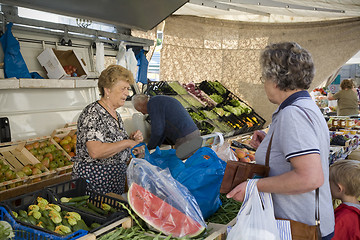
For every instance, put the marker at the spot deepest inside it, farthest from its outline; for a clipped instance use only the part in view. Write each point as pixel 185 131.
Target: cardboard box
pixel 54 61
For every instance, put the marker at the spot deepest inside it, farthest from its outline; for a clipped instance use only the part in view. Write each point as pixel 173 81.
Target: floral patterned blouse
pixel 96 124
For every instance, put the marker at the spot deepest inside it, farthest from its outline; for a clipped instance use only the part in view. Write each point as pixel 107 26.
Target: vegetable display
pixel 52 217
pixel 227 212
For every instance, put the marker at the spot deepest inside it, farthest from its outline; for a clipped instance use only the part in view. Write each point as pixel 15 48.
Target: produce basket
pixel 24 201
pixel 79 187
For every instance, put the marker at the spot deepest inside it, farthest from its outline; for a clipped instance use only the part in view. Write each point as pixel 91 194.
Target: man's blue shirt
pixel 169 119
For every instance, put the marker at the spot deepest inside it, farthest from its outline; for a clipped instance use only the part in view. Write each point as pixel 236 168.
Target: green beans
pixel 227 212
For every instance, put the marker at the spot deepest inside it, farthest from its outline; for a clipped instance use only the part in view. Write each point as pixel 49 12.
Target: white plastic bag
pixel 120 56
pixel 223 150
pixel 100 57
pixel 255 222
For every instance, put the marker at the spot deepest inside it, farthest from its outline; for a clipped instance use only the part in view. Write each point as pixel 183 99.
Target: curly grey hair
pixel 287 64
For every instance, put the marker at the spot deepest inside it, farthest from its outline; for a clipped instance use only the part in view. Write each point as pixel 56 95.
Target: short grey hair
pixel 139 99
pixel 288 65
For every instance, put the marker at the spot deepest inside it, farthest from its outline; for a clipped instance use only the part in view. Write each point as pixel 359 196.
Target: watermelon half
pixel 162 215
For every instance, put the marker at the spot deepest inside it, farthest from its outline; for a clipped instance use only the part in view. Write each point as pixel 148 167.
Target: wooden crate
pixel 59 170
pixel 219 231
pixel 7 151
pixel 16 156
pixel 60 133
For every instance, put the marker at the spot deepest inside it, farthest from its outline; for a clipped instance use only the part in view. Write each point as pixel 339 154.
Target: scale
pixel 188 148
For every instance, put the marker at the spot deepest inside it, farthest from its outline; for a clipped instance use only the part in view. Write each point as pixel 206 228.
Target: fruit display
pixel 244 155
pixel 68 143
pixel 10 178
pixel 19 166
pixel 48 153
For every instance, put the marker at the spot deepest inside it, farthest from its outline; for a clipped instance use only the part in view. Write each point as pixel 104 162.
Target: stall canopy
pixel 223 42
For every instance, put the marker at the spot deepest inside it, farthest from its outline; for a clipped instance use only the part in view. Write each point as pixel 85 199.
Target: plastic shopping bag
pixel 14 64
pixel 201 174
pixel 223 150
pixel 255 220
pixel 161 201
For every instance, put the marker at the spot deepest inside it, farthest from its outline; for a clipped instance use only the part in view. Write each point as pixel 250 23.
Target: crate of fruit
pixel 50 154
pixel 38 212
pixel 66 138
pixel 78 195
pixel 20 160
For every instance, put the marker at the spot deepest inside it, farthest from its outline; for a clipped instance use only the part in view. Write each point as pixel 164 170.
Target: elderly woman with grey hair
pixel 300 140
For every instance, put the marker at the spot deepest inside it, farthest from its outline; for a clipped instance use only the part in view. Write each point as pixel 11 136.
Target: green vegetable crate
pixel 21 214
pixel 86 201
pixel 159 88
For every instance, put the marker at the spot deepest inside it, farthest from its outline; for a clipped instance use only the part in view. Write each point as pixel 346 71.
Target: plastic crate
pixel 209 89
pixel 22 203
pixel 24 232
pixel 79 187
pixel 159 88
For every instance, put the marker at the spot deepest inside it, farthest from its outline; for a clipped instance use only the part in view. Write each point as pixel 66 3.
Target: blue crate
pixel 23 232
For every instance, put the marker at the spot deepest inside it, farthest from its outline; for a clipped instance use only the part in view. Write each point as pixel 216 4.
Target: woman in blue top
pixel 300 146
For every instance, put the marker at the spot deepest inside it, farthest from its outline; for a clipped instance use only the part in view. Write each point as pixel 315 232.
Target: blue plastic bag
pixel 201 174
pixel 14 64
pixel 143 64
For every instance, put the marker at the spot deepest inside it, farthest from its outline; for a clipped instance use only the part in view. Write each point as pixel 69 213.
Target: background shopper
pixel 347 99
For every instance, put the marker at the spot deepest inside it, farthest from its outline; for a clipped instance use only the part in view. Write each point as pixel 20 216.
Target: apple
pixel 46 162
pixel 64 142
pixel 40 166
pixel 27 170
pixel 9 175
pixel 36 145
pixel 21 174
pixel 36 171
pixel 67 147
pixel 57 139
pixel 50 156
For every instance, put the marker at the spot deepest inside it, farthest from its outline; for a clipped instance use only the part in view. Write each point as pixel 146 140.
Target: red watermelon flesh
pixel 160 214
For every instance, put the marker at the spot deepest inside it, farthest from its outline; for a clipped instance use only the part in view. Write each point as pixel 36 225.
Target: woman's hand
pixel 257 138
pixel 137 136
pixel 238 193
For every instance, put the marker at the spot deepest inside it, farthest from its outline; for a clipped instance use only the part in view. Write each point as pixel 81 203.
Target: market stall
pixel 38 197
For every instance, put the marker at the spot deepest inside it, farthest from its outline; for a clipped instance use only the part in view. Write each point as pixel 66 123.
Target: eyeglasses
pixel 262 80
